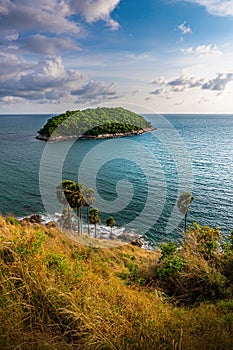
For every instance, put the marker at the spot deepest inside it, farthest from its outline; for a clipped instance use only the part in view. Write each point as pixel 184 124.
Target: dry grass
pixel 56 293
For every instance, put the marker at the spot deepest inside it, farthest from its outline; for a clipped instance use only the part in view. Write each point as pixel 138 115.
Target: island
pixel 101 122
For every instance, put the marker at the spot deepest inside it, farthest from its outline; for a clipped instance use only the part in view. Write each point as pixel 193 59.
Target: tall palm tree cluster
pixel 73 195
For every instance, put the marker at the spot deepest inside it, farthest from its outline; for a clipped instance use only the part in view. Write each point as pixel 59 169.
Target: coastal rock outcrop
pixel 33 219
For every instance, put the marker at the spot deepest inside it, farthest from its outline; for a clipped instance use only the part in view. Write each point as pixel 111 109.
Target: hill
pixel 59 294
pixel 93 123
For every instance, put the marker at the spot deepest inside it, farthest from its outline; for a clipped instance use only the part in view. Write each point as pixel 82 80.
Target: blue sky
pixel 166 56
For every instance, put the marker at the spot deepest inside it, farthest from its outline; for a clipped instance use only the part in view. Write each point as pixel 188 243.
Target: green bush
pixel 207 240
pixel 171 266
pixel 167 249
pixel 13 221
pixel 198 270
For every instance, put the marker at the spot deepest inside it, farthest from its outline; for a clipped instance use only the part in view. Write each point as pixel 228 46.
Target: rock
pixel 137 242
pixel 34 219
pixel 50 224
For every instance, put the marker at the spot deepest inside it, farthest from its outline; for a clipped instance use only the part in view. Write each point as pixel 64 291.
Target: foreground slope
pixel 59 294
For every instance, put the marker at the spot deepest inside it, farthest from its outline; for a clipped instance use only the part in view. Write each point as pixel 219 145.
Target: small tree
pixel 110 222
pixel 94 217
pixel 207 240
pixel 183 205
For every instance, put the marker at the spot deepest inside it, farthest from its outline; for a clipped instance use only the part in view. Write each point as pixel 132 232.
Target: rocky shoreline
pixel 90 137
pixel 124 237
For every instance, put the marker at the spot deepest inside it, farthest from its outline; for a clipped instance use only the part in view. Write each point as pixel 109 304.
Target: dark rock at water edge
pixel 137 242
pixel 91 137
pixel 50 224
pixel 34 219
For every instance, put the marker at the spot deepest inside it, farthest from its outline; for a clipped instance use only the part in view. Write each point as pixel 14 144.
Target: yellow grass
pixel 56 293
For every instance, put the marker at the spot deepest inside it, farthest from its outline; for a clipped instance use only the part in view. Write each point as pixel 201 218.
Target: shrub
pixel 171 267
pixel 194 272
pixel 167 249
pixel 207 240
pixel 13 221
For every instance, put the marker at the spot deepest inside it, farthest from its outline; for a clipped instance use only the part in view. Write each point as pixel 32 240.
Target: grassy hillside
pixel 93 122
pixel 59 294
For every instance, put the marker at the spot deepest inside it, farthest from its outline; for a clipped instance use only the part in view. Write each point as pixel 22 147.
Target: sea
pixel 136 179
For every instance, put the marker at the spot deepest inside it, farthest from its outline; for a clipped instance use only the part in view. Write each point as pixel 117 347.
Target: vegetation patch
pixel 93 122
pixel 58 294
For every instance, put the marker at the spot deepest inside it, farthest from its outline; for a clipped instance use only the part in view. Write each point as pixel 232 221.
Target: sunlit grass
pixel 57 293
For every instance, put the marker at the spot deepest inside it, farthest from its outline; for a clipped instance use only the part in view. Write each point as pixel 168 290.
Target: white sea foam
pixel 102 231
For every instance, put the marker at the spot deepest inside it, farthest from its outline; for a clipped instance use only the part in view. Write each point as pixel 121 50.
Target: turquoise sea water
pixel 138 178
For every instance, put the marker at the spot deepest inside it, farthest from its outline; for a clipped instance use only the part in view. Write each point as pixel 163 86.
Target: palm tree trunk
pixel 185 226
pixel 69 218
pixel 78 220
pixel 80 216
pixel 95 230
pixel 88 223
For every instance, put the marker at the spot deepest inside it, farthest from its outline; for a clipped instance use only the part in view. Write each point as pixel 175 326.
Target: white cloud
pixel 11 35
pixel 179 103
pixel 203 100
pixel 203 50
pixel 54 15
pixel 50 26
pixel 216 7
pixel 136 91
pixel 96 91
pixel 185 29
pixel 47 46
pixel 48 81
pixel 219 83
pixel 159 81
pixel 158 92
pixel 95 10
pixel 45 15
pixel 186 82
pixel 12 100
pixel 11 66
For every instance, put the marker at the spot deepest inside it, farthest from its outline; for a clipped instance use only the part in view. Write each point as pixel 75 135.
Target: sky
pixel 165 56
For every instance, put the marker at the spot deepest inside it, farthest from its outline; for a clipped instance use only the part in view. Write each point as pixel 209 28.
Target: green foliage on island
pixel 58 294
pixel 94 122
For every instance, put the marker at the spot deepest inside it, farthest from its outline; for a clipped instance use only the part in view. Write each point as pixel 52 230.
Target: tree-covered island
pixel 94 123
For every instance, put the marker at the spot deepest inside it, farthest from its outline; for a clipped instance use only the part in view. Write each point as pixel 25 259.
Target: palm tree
pixel 69 192
pixel 94 217
pixel 183 204
pixel 110 222
pixel 66 218
pixel 89 199
pixel 63 193
pixel 77 202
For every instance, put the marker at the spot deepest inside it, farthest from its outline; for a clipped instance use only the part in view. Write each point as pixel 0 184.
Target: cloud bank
pixel 44 29
pixel 48 81
pixel 96 10
pixel 186 82
pixel 47 26
pixel 203 50
pixel 54 16
pixel 216 7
